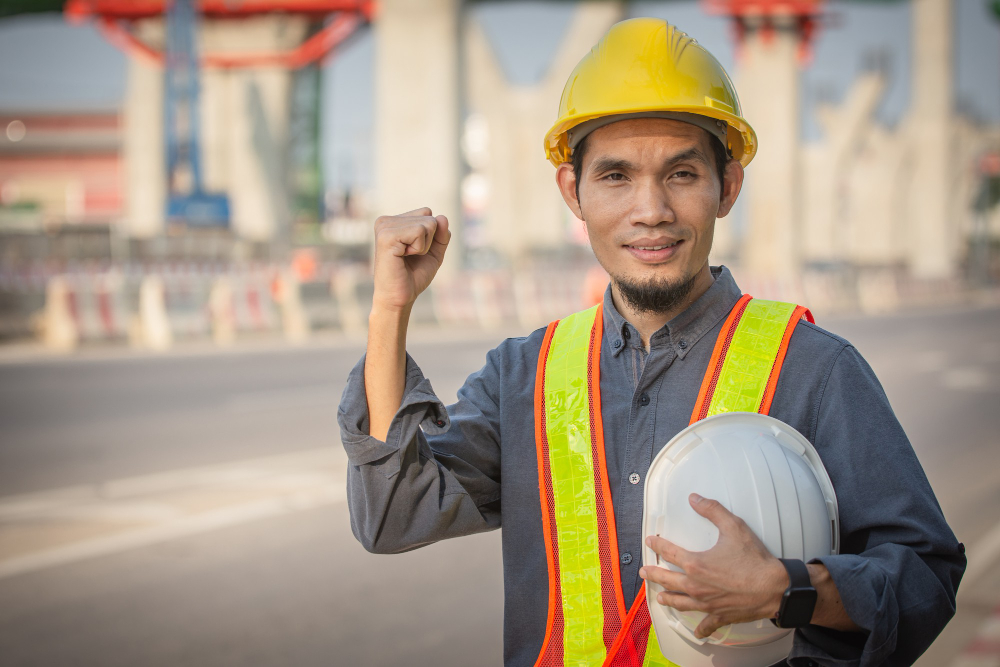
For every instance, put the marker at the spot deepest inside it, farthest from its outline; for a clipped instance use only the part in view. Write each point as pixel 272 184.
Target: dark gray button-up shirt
pixel 471 467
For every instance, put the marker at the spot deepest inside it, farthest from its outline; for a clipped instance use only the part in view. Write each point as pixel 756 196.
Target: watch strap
pixel 799 600
pixel 798 573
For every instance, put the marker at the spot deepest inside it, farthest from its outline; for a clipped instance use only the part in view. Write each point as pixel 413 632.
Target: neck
pixel 648 322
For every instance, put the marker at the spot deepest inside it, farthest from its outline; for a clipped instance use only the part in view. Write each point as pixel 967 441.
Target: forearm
pixel 385 367
pixel 829 611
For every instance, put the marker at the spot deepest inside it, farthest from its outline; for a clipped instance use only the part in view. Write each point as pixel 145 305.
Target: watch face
pixel 797 607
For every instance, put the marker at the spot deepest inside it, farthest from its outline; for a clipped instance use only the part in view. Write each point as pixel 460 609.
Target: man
pixel 650 149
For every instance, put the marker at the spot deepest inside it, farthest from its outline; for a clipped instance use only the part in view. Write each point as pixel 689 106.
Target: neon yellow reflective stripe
pixel 653 656
pixel 571 466
pixel 750 357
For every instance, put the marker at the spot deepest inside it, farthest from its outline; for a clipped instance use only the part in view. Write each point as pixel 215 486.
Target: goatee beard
pixel 654 296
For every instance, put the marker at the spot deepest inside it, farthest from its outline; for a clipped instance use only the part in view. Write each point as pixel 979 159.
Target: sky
pixel 46 64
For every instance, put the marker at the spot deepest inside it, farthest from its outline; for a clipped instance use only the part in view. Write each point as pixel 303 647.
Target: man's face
pixel 649 195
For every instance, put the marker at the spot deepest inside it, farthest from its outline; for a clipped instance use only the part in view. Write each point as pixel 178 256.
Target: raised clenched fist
pixel 409 249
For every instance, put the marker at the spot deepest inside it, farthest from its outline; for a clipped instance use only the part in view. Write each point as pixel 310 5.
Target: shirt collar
pixel 685 329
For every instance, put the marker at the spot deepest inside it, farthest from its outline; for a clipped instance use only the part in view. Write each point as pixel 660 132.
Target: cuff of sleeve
pixel 869 600
pixel 420 408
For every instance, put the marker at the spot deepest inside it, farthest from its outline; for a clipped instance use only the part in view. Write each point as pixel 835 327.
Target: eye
pixel 615 176
pixel 684 174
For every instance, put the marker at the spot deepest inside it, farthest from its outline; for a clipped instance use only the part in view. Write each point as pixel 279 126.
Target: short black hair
pixel 720 155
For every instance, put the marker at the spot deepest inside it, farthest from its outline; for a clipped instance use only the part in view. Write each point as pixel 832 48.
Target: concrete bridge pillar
pixel 244 114
pixel 417 111
pixel 768 81
pixel 934 235
pixel 525 209
pixel 143 148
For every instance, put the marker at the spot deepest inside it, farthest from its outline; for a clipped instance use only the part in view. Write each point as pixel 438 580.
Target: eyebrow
pixel 691 154
pixel 603 164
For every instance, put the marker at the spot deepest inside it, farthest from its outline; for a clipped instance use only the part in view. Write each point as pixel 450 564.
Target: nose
pixel 650 204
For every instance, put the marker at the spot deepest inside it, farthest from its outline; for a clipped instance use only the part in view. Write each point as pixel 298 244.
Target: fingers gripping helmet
pixel 764 472
pixel 645 67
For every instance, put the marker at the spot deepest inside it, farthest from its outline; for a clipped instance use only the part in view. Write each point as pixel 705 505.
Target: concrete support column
pixel 245 116
pixel 525 209
pixel 143 146
pixel 416 111
pixel 769 92
pixel 933 236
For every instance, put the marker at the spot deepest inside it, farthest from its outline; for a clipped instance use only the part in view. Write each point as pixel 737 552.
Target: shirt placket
pixel 638 454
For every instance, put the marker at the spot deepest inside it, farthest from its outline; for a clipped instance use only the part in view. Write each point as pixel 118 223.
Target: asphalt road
pixel 189 509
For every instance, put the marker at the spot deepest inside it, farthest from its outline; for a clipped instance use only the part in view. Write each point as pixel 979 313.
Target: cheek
pixel 701 209
pixel 603 211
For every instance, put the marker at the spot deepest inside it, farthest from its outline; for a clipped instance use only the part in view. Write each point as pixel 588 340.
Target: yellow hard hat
pixel 647 67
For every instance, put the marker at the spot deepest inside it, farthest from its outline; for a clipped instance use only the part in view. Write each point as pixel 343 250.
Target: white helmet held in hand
pixel 764 472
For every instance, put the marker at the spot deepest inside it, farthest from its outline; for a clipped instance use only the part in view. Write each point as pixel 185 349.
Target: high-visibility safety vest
pixel 587 623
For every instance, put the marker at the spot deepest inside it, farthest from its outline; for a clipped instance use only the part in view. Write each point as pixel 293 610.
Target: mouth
pixel 653 252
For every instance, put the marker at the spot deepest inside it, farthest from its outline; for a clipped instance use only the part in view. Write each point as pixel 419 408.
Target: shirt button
pixel 627 333
pixel 644 399
pixel 683 344
pixel 440 423
pixel 633 478
pixel 617 344
pixel 626 558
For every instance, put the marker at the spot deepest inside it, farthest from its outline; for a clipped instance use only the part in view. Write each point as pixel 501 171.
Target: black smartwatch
pixel 799 600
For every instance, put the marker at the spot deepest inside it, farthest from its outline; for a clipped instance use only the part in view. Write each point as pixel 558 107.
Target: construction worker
pixel 553 437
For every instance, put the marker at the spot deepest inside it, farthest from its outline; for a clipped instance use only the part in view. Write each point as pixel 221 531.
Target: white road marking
pixel 172 504
pixel 964 378
pixel 101 511
pixel 197 524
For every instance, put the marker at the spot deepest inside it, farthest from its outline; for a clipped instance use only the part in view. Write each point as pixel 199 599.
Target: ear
pixel 730 188
pixel 566 180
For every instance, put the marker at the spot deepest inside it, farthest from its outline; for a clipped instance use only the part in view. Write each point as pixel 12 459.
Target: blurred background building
pixel 230 156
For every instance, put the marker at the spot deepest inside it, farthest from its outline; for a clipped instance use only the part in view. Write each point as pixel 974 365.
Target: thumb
pixel 712 510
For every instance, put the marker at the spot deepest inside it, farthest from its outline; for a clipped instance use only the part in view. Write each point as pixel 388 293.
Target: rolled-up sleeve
pixel 436 475
pixel 899 564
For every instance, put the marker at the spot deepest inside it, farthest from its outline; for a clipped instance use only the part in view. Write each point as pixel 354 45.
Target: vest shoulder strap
pixel 742 374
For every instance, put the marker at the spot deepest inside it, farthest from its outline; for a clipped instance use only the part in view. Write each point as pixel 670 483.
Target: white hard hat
pixel 764 472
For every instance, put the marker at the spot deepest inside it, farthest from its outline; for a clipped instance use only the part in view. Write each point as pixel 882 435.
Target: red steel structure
pixel 770 16
pixel 114 16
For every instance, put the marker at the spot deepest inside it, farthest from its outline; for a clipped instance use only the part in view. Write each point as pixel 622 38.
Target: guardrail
pixel 155 305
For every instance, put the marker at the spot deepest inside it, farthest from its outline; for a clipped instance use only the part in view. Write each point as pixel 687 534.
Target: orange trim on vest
pixel 544 489
pixel 629 650
pixel 718 357
pixel 772 380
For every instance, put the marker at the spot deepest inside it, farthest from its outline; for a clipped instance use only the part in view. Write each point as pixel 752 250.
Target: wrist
pixel 777 583
pixel 386 313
